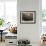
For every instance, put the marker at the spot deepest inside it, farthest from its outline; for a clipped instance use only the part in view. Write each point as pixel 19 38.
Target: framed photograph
pixel 27 17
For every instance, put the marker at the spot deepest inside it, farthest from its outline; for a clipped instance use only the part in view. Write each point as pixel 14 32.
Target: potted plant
pixel 1 22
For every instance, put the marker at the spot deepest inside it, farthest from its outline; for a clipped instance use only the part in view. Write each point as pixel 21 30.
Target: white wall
pixel 30 31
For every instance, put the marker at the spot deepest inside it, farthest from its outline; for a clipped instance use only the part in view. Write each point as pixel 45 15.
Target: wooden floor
pixel 2 43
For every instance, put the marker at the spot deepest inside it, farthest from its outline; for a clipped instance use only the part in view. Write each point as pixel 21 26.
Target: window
pixel 43 12
pixel 8 10
pixel 1 8
pixel 44 16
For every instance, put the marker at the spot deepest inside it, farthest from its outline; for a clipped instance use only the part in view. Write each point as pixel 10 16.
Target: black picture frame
pixel 27 17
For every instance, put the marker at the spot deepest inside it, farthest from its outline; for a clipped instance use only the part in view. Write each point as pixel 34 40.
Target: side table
pixel 1 34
